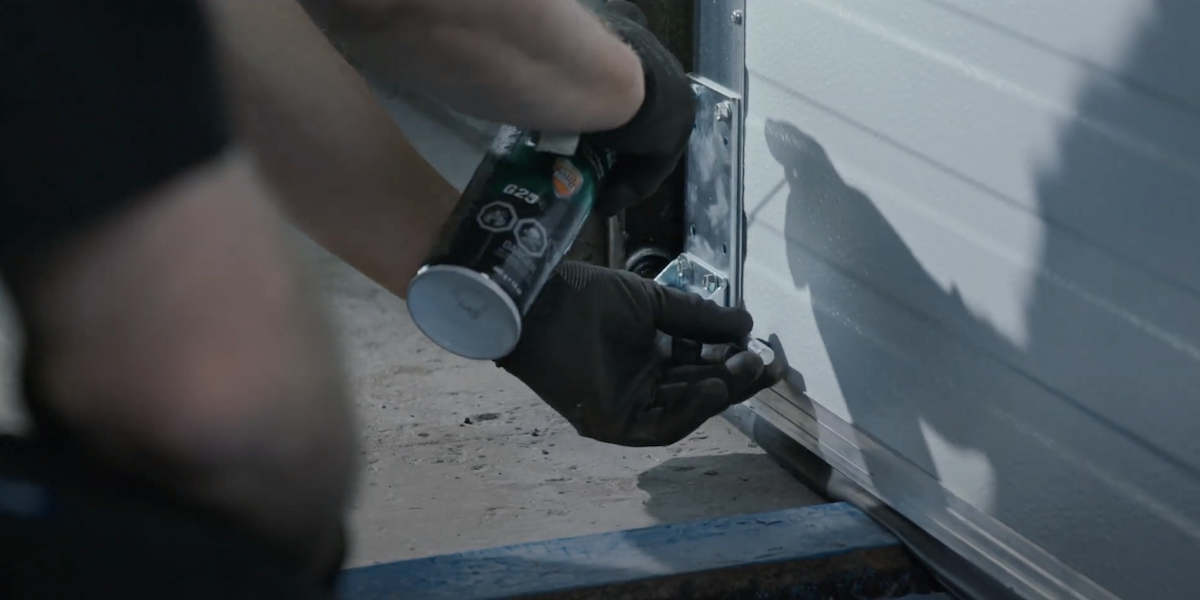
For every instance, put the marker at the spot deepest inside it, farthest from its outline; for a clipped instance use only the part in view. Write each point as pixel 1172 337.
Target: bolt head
pixel 723 111
pixel 683 269
pixel 736 17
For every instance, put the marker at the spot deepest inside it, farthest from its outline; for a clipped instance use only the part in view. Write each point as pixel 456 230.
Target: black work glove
pixel 621 357
pixel 650 145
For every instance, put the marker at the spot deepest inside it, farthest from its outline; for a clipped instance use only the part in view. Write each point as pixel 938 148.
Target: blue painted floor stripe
pixel 561 565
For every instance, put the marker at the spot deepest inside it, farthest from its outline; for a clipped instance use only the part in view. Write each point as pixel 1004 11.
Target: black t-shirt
pixel 99 101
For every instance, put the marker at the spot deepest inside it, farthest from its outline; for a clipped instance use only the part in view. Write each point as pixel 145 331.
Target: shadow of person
pixel 696 487
pixel 843 250
pixel 1114 320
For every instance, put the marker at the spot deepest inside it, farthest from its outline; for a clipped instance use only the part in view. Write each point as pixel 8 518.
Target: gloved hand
pixel 620 356
pixel 650 145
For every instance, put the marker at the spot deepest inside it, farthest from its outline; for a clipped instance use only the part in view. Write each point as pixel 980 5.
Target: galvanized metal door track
pixel 823 552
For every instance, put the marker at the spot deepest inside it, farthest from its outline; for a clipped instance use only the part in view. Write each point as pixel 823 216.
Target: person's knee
pixel 179 340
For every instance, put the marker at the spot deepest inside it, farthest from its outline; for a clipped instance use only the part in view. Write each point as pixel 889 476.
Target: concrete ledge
pixel 826 552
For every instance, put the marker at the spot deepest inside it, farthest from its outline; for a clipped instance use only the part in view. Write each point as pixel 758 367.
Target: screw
pixel 683 270
pixel 723 111
pixel 736 17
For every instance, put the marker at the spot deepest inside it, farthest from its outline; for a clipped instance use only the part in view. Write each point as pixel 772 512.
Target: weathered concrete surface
pixel 460 455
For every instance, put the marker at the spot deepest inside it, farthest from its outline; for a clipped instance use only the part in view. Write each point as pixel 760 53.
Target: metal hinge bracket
pixel 711 264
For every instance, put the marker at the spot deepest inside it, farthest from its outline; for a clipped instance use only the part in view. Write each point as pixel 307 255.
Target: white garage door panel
pixel 981 249
pixel 1091 32
pixel 994 110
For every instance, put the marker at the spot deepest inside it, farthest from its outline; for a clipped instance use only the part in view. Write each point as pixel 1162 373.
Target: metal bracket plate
pixel 711 262
pixel 721 42
pixel 695 277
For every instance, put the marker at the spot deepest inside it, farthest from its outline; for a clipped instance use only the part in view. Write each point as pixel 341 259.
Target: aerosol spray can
pixel 522 210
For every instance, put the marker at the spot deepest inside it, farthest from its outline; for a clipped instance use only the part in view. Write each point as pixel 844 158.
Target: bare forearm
pixel 543 64
pixel 343 170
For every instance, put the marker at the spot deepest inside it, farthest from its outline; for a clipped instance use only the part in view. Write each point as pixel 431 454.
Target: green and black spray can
pixel 522 210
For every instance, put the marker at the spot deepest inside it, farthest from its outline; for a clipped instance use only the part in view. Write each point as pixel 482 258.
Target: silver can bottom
pixel 464 312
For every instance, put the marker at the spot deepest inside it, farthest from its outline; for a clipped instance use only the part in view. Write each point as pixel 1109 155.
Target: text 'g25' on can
pixel 516 219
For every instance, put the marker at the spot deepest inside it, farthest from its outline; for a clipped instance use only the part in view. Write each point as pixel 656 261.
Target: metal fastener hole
pixel 724 248
pixel 725 140
pixel 693 230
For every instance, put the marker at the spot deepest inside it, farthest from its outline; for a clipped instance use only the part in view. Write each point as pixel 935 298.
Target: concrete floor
pixel 459 455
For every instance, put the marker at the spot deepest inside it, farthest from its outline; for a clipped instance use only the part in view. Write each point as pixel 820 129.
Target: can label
pixel 521 212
